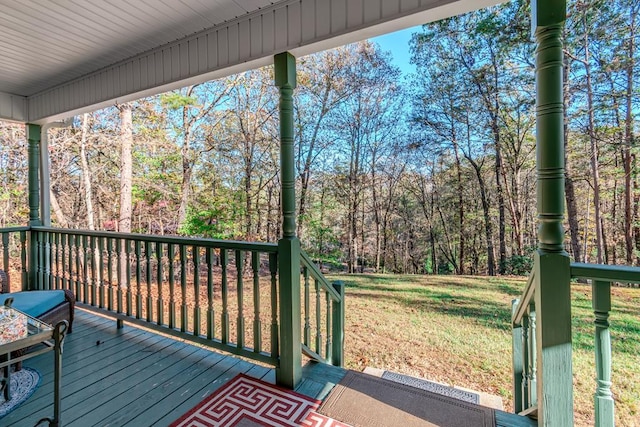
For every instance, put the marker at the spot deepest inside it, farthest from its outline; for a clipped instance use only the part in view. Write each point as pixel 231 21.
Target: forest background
pixel 432 172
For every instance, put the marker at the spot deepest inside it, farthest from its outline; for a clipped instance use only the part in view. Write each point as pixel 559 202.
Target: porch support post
pixel 33 139
pixel 553 290
pixel 289 372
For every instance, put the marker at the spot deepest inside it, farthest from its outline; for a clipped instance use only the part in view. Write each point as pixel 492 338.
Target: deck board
pixel 135 377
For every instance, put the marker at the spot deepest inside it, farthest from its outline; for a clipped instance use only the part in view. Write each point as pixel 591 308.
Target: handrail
pixel 609 273
pixel 323 315
pixel 15 229
pixel 524 301
pixel 224 244
pixel 315 272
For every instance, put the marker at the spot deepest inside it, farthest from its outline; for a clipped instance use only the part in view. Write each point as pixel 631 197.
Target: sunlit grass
pixel 457 330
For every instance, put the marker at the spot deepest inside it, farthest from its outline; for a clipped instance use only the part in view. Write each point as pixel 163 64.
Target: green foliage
pixel 518 265
pixel 218 222
pixel 176 100
pixel 445 267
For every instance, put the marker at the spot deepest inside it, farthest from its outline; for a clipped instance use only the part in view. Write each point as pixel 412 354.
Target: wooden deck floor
pixel 132 377
pixel 138 378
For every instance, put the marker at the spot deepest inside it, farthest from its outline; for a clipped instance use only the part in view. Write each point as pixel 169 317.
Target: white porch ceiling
pixel 62 57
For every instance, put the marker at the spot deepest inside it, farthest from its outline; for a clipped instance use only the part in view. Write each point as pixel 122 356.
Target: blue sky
pixel 398 44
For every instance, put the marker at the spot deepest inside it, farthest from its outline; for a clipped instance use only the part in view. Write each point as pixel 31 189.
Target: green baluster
pixel 127 278
pixel 23 261
pixel 210 310
pixel 240 295
pixel 533 361
pixel 85 270
pixel 196 289
pixel 41 244
pixel 257 324
pixel 527 355
pixel 100 283
pixel 110 274
pixel 224 259
pixel 273 270
pixel 57 275
pixel 517 355
pixel 78 269
pixel 138 252
pixel 307 308
pixel 94 279
pixel 160 284
pixel 148 278
pixel 63 262
pixel 183 285
pixel 5 251
pixel 601 302
pixel 172 286
pixel 329 344
pixel 337 314
pixel 319 318
pixel 48 280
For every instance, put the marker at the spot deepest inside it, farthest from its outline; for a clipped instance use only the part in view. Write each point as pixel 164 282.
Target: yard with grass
pixel 456 330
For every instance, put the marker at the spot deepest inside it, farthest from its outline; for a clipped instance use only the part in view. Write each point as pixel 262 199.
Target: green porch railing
pixel 323 312
pixel 524 333
pixel 196 289
pixel 13 246
pixel 223 294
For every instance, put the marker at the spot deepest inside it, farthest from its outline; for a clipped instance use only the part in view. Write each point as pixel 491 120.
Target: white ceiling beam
pixel 13 107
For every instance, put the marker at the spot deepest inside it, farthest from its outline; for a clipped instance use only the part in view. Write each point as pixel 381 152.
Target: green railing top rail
pixel 598 272
pixel 14 229
pixel 315 272
pixel 527 296
pixel 192 241
pixel 606 273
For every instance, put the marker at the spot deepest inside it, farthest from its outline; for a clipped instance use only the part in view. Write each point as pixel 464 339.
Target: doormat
pixel 363 400
pixel 23 384
pixel 457 393
pixel 248 402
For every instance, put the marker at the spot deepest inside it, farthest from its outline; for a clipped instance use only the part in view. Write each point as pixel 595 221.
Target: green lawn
pixel 457 330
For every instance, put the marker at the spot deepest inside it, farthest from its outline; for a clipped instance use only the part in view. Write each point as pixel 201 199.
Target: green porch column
pixel 33 139
pixel 553 290
pixel 289 373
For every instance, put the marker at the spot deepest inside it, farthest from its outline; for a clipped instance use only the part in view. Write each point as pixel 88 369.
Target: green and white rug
pixel 23 384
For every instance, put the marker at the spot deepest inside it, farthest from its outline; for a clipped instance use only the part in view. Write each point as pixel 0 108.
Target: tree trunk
pixel 126 180
pixel 595 173
pixel 630 200
pixel 126 168
pixel 570 194
pixel 86 172
pixel 187 165
pixel 61 220
pixel 487 218
pixel 461 255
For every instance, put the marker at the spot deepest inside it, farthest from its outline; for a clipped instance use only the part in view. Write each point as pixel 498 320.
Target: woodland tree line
pixel 432 172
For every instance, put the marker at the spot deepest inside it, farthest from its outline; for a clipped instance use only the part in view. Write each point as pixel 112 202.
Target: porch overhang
pixel 62 61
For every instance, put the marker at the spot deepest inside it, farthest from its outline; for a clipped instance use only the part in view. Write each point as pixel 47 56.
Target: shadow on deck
pixel 133 377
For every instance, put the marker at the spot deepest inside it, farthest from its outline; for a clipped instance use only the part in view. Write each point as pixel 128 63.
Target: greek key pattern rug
pixel 249 402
